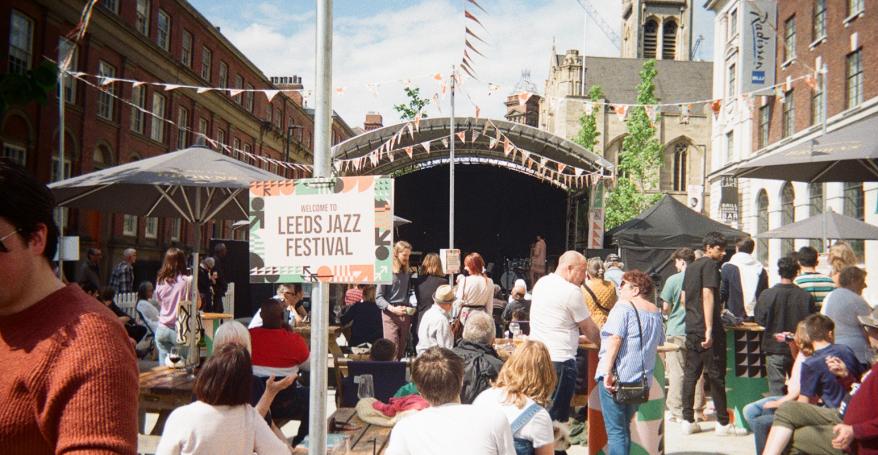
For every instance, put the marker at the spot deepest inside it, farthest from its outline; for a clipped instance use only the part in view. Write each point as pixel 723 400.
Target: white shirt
pixel 538 429
pixel 200 428
pixel 434 330
pixel 457 429
pixel 556 310
pixel 148 314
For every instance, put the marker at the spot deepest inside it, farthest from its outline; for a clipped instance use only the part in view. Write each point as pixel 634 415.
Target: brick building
pixel 148 40
pixel 810 35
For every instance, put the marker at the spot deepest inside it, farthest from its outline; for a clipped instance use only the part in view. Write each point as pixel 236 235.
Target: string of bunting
pixel 231 151
pixel 466 62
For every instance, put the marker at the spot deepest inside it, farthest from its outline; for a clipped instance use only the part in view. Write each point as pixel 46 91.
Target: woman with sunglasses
pixel 629 341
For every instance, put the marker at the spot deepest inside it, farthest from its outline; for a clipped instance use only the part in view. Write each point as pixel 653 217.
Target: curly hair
pixel 528 374
pixel 641 280
pixel 840 256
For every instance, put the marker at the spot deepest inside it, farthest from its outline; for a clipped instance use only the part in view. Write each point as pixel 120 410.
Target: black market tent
pixel 647 241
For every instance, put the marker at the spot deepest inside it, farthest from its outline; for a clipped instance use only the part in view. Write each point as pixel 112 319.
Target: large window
pixel 239 84
pixel 68 165
pixel 205 63
pixel 855 207
pixel 138 117
pixel 681 159
pixel 854 78
pixel 787 216
pixel 163 38
pixel 730 89
pixel 221 136
pixel 815 207
pixel 733 23
pixel 669 40
pixel 110 5
pixel 817 105
pixel 762 226
pixel 650 38
pixel 106 101
pixel 186 52
pixel 223 75
pixel 730 146
pixel 182 127
pixel 175 228
pixel 818 26
pixel 65 46
pixel 764 124
pixel 129 225
pixel 21 37
pixel 855 7
pixel 789 114
pixel 16 153
pixel 151 227
pixel 102 157
pixel 142 20
pixel 248 100
pixel 789 39
pixel 157 129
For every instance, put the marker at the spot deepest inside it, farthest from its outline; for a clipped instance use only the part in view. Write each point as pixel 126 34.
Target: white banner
pixel 758 44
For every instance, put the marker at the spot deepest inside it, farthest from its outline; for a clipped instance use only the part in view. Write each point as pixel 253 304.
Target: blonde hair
pixel 840 256
pixel 528 374
pixel 432 265
pixel 369 293
pixel 398 248
pixel 802 340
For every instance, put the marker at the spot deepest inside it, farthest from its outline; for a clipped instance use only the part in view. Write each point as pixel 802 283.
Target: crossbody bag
pixel 635 392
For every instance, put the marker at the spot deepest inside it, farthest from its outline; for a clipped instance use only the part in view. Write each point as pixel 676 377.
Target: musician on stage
pixel 537 259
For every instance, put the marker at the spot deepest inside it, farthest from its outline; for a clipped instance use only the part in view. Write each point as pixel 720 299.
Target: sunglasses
pixel 3 248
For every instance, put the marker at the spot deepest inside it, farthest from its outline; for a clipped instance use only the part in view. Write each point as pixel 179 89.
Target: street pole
pixel 451 174
pixel 320 294
pixel 60 211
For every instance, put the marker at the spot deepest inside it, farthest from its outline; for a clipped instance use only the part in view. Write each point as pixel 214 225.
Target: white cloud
pixel 414 42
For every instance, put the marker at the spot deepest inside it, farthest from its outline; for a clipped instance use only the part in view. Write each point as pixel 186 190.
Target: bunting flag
pixel 478 112
pixel 715 106
pixel 522 98
pixel 411 129
pixel 469 16
pixel 577 171
pixel 340 90
pixel 418 121
pixel 374 159
pixel 478 6
pixel 652 113
pixel 409 151
pixel 436 102
pixel 390 155
pixel 470 33
pixel 203 90
pixel 475 135
pixel 779 92
pixel 445 142
pixel 235 92
pixel 468 70
pixel 507 146
pixel 471 47
pixel 525 156
pixel 811 81
pixel 561 167
pixel 138 83
pixel 170 87
pixel 270 94
pixel 462 136
pixel 492 143
pixel 684 114
pixel 104 81
pixel 442 88
pixel 620 110
pixel 426 145
pixel 437 76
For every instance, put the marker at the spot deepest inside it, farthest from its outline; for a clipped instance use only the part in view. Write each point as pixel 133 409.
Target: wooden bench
pixel 365 438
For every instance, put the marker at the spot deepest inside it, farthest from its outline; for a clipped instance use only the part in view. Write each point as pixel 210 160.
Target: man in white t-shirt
pixel 448 427
pixel 434 328
pixel 558 315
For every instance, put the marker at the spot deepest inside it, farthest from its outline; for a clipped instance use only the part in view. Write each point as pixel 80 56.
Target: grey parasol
pixel 828 225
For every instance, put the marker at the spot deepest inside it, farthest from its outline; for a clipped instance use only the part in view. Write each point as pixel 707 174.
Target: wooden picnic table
pixel 364 438
pixel 334 330
pixel 162 390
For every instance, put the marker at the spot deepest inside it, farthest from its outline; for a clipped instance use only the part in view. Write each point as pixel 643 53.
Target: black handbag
pixel 635 392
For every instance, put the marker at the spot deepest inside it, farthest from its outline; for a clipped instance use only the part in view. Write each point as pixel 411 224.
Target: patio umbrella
pixel 829 225
pixel 196 184
pixel 848 154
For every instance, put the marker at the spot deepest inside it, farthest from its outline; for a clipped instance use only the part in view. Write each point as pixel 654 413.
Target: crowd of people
pixel 71 380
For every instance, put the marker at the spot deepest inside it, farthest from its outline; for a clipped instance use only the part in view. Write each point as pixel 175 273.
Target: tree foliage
pixel 416 103
pixel 33 85
pixel 640 158
pixel 588 125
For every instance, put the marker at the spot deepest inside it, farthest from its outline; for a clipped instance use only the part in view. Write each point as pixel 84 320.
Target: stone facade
pixel 659 29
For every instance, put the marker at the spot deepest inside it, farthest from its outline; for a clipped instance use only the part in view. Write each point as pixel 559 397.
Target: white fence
pixel 127 301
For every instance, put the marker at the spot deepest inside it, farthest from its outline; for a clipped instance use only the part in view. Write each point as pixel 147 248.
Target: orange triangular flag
pixel 462 136
pixel 561 167
pixel 409 151
pixel 426 146
pixel 507 147
pixel 469 16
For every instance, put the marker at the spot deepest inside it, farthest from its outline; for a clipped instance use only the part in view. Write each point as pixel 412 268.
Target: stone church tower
pixel 659 29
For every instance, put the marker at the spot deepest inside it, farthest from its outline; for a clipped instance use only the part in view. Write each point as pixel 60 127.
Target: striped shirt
pixel 817 284
pixel 632 360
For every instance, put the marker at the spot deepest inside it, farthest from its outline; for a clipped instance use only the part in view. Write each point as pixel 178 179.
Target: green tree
pixel 640 158
pixel 416 103
pixel 33 85
pixel 588 124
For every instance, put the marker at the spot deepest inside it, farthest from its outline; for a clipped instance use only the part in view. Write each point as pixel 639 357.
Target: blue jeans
pixel 759 419
pixel 566 373
pixel 617 420
pixel 165 339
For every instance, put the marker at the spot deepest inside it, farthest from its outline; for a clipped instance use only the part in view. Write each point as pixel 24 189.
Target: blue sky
pixel 380 45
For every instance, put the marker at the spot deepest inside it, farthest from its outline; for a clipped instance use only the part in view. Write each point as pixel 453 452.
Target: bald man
pixel 558 315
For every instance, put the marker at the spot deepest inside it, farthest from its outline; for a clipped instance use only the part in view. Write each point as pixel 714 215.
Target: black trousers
pixel 711 362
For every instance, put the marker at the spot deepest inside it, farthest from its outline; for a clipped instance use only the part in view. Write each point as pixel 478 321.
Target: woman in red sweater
pixel 279 352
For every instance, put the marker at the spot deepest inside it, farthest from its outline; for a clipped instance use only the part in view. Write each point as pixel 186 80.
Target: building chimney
pixel 374 120
pixel 290 83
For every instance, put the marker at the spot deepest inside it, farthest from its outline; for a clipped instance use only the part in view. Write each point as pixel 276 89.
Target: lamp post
pixel 703 148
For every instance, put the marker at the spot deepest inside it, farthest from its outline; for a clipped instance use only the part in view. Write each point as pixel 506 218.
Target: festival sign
pixel 758 42
pixel 596 215
pixel 335 230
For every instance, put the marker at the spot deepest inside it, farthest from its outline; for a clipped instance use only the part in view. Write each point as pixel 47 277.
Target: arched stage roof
pixel 537 142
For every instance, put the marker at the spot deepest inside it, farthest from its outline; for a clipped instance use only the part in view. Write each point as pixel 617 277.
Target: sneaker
pixel 729 430
pixel 689 427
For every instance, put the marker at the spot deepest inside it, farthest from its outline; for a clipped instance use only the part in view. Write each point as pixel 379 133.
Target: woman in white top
pixel 524 386
pixel 223 392
pixel 147 312
pixel 474 292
